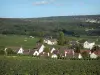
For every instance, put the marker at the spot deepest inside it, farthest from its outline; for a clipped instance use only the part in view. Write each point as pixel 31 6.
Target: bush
pixel 2 48
pixel 10 51
pixel 85 54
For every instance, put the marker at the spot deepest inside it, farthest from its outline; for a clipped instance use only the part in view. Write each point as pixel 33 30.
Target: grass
pixel 17 41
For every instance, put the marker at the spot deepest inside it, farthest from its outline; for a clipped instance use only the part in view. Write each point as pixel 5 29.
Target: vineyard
pixel 36 66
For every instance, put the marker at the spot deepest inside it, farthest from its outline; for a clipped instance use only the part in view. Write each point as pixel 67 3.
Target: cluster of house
pixel 39 51
pixel 62 52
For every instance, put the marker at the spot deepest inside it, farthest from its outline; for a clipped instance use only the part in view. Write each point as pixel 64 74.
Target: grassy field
pixel 17 41
pixel 35 66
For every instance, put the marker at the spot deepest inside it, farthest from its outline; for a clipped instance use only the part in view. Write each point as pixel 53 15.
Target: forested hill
pixel 70 25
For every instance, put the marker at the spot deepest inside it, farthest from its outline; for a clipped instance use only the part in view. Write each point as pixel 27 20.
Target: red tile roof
pixel 97 52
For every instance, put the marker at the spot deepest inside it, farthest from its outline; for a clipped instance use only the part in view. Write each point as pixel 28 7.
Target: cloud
pixel 59 4
pixel 43 2
pixel 40 3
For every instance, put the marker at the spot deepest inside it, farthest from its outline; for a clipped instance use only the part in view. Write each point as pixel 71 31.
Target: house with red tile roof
pixel 95 54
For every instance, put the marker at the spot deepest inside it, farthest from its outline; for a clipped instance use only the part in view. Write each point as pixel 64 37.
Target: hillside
pixel 70 25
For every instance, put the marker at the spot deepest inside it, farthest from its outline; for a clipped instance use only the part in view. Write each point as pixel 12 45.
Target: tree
pixel 84 54
pixel 10 51
pixel 46 49
pixel 77 48
pixel 95 48
pixel 2 48
pixel 66 40
pixel 81 46
pixel 41 40
pixel 61 39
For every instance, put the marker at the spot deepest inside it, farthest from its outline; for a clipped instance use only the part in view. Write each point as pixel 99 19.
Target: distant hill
pixel 47 26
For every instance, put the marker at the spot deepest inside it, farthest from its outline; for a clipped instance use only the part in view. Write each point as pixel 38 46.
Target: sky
pixel 46 8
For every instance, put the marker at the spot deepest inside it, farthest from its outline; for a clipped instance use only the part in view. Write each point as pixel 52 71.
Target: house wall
pixel 49 42
pixel 93 55
pixel 36 53
pixel 41 49
pixel 80 56
pixel 53 49
pixel 88 45
pixel 20 51
pixel 54 56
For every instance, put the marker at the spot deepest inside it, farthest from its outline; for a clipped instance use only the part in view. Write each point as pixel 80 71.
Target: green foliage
pixel 10 51
pixel 2 50
pixel 31 66
pixel 61 39
pixel 77 48
pixel 85 54
pixel 49 26
pixel 46 49
pixel 95 48
pixel 41 40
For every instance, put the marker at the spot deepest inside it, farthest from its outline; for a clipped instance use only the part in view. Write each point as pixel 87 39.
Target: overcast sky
pixel 46 8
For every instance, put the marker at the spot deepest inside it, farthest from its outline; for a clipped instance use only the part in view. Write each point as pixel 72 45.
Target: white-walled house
pixel 54 56
pixel 68 53
pixel 36 53
pixel 93 55
pixel 48 54
pixel 80 56
pixel 41 49
pixel 88 45
pixel 5 49
pixel 53 49
pixel 65 53
pixel 20 51
pixel 50 42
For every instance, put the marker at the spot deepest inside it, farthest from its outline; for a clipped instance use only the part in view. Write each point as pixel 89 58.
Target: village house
pixel 88 45
pixel 20 51
pixel 36 53
pixel 54 56
pixel 23 51
pixel 69 53
pixel 80 56
pixel 38 50
pixel 91 54
pixel 50 41
pixel 95 54
pixel 53 49
pixel 54 53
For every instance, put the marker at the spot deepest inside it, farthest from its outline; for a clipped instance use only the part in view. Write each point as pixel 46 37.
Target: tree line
pixel 47 27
